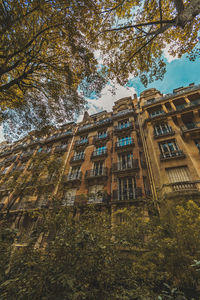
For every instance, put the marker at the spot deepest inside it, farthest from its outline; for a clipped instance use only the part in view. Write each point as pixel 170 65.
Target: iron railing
pixel 172 154
pixel 128 195
pixel 124 143
pixel 129 165
pixel 78 157
pixel 96 173
pixel 99 153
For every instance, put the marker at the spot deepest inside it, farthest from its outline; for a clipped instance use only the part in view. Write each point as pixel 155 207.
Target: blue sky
pixel 180 72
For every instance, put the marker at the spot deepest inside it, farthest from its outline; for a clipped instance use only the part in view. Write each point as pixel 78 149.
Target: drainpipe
pixel 149 168
pixel 65 162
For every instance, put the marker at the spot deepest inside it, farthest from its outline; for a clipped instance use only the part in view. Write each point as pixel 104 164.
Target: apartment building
pixel 98 161
pixel 145 151
pixel 170 128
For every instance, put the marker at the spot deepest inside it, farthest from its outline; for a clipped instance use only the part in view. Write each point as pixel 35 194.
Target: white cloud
pixel 108 96
pixel 169 57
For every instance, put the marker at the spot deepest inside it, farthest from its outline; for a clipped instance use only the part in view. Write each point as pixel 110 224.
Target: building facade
pixel 146 150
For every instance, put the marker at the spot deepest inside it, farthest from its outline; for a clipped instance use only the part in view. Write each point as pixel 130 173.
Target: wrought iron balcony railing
pixel 128 195
pixel 163 133
pixel 172 154
pixel 190 127
pixel 60 148
pixel 93 173
pixel 125 143
pixel 99 153
pixel 123 113
pixel 129 165
pixel 123 127
pixel 78 157
pixel 171 95
pixel 83 142
pixel 100 137
pixel 74 176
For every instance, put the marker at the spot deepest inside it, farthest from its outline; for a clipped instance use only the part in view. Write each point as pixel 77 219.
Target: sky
pixel 180 72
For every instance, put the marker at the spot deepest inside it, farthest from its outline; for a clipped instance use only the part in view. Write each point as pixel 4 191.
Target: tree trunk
pixel 188 13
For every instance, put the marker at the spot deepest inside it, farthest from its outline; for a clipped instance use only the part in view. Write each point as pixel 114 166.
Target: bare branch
pixel 140 25
pixel 156 33
pixel 160 9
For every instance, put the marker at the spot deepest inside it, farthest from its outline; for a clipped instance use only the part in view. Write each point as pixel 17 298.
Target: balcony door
pixel 125 160
pixel 98 168
pixel 126 188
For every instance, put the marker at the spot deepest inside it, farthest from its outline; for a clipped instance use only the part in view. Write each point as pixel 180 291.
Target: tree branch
pixel 140 25
pixel 179 5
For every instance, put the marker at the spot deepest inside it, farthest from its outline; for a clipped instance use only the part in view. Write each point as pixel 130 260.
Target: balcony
pixel 81 143
pixel 123 113
pixel 191 128
pixel 175 94
pixel 66 134
pixel 77 158
pixel 125 144
pixel 121 129
pixel 5 152
pixel 97 200
pixel 158 134
pixel 101 138
pixel 85 128
pixel 99 154
pixel 10 159
pixel 26 155
pixel 184 186
pixel 96 174
pixel 72 178
pixel 124 167
pixel 52 137
pixel 102 123
pixel 129 196
pixel 60 149
pixel 172 154
pixel 156 114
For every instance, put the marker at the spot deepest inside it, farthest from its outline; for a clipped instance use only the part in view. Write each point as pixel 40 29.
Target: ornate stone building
pixel 146 150
pixel 170 131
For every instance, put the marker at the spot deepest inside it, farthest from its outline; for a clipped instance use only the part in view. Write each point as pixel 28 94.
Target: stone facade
pixel 146 149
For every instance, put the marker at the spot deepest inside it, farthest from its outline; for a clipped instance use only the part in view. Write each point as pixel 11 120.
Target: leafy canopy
pixel 134 33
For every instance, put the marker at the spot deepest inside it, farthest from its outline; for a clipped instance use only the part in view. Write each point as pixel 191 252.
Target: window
pixel 125 160
pixel 102 134
pixel 83 139
pixel 178 174
pixel 161 129
pixel 69 197
pixel 98 168
pixel 101 150
pixel 75 171
pixel 125 141
pixel 156 112
pixel 126 188
pixel 151 100
pixel 40 149
pixel 123 124
pixel 95 193
pixel 79 155
pixel 169 148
